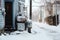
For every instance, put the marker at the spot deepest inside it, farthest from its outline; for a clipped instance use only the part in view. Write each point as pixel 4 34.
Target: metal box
pixel 21 26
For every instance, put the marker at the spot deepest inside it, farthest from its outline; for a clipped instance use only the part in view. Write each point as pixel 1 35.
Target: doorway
pixel 8 16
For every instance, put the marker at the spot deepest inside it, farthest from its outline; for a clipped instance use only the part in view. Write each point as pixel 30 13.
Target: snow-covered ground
pixel 52 32
pixel 40 31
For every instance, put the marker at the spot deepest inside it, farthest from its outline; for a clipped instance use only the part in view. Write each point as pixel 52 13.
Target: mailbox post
pixel 29 25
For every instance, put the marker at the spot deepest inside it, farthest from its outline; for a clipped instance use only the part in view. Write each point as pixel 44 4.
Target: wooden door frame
pixel 11 15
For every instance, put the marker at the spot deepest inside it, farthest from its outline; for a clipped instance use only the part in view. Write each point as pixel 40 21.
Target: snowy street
pixel 40 31
pixel 29 19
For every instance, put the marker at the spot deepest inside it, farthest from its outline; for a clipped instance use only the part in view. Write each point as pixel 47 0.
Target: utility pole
pixel 30 9
pixel 30 23
pixel 56 13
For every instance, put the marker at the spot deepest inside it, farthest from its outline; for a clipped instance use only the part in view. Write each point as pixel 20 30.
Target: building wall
pixel 15 8
pixel 15 11
pixel 2 3
pixel 56 10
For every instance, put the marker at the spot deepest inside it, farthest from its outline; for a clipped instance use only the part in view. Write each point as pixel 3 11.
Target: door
pixel 8 17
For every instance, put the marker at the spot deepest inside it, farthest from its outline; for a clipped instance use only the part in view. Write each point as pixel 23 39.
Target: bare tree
pixel 49 8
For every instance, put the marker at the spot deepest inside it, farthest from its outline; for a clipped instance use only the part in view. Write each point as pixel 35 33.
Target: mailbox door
pixel 21 26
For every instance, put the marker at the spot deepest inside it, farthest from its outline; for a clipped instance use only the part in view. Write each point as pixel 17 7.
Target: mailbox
pixel 29 23
pixel 21 22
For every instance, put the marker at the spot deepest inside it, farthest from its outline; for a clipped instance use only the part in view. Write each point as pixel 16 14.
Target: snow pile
pixel 26 36
pixel 37 26
pixel 19 32
pixel 36 34
pixel 40 31
pixel 51 31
